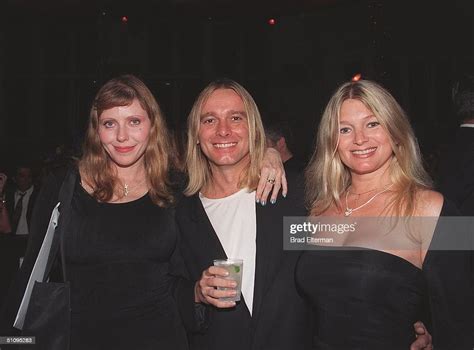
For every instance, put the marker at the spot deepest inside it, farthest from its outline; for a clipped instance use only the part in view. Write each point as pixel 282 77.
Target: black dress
pixel 125 275
pixel 118 262
pixel 369 299
pixel 361 299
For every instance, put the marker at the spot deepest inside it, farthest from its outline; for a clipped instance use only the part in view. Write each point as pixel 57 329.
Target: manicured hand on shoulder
pixel 272 178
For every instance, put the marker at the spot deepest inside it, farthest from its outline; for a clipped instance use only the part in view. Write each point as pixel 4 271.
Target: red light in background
pixel 356 77
pixel 124 19
pixel 272 21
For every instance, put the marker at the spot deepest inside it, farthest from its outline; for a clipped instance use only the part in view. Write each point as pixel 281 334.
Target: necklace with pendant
pixel 349 211
pixel 126 188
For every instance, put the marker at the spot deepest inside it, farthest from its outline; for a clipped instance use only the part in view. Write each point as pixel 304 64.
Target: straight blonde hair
pixel 197 165
pixel 327 177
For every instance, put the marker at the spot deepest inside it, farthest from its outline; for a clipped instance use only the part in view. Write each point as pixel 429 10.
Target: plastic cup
pixel 234 267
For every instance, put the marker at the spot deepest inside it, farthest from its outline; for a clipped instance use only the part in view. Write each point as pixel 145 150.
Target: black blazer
pixel 10 198
pixel 456 171
pixel 12 246
pixel 280 319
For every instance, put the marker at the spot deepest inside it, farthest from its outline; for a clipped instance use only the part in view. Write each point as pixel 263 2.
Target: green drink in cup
pixel 234 267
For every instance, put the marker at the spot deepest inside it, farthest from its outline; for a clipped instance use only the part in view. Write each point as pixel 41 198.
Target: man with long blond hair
pixel 219 218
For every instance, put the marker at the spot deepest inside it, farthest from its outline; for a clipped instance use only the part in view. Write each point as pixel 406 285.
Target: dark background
pixel 55 54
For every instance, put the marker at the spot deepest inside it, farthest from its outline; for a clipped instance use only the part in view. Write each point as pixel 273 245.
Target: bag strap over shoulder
pixel 65 198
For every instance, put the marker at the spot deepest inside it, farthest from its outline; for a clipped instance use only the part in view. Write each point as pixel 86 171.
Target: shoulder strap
pixel 65 198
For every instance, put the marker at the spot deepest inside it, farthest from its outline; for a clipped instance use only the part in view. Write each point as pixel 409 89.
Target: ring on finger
pixel 271 181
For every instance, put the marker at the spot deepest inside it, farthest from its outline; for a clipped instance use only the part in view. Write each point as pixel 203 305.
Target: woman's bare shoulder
pixel 429 203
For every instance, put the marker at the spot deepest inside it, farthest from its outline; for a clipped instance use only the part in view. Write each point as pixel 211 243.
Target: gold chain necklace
pixel 349 211
pixel 360 194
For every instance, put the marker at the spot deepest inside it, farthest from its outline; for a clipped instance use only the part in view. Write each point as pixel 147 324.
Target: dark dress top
pixel 125 275
pixel 369 299
pixel 118 262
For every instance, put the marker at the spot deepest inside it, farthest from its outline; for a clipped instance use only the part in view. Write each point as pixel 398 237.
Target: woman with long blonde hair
pixel 367 285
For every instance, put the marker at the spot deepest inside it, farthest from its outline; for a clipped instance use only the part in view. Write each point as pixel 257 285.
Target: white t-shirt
pixel 235 222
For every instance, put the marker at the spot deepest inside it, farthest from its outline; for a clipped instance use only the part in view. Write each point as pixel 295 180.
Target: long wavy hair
pixel 197 165
pixel 327 178
pixel 95 163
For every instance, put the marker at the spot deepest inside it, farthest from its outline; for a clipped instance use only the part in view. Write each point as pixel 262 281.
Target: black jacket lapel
pixel 206 236
pixel 268 253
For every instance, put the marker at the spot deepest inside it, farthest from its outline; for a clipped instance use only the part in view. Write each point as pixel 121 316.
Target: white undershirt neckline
pixel 235 222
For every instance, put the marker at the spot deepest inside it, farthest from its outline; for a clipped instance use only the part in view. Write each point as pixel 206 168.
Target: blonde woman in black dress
pixel 368 291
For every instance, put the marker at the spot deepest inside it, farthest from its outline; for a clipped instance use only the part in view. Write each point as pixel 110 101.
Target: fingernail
pixel 234 293
pixel 273 201
pixel 263 203
pixel 284 195
pixel 257 200
pixel 233 284
pixel 231 303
